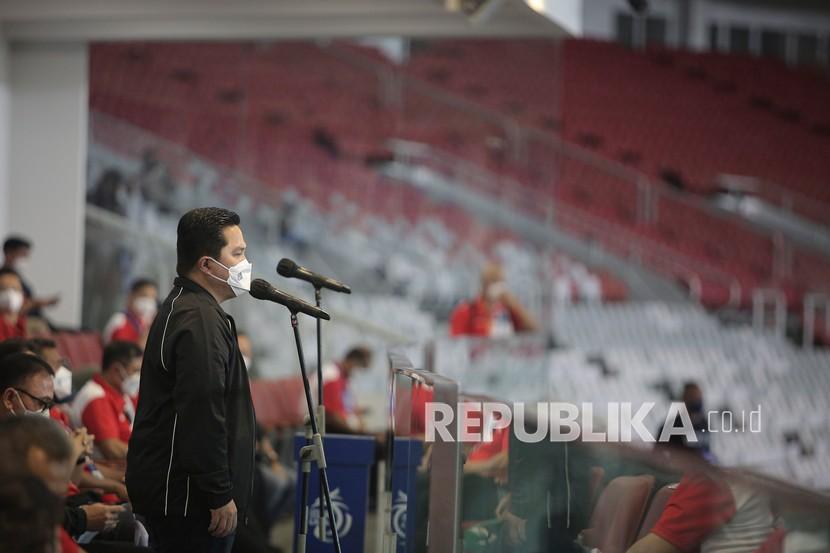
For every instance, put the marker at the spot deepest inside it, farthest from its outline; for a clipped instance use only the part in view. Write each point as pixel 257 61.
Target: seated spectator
pixel 26 385
pixel 47 349
pixel 494 313
pixel 22 371
pixel 37 447
pixel 342 413
pixel 16 252
pixel 132 324
pixel 32 516
pixel 106 403
pixel 707 513
pixel 692 398
pixel 12 320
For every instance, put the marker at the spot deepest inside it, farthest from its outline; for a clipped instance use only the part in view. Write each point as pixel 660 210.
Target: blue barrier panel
pixel 408 454
pixel 349 460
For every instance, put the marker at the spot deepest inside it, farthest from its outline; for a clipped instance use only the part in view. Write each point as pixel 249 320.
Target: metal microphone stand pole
pixel 321 407
pixel 312 453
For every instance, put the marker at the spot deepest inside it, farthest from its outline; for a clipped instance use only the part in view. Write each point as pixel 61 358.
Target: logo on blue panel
pixel 342 518
pixel 399 515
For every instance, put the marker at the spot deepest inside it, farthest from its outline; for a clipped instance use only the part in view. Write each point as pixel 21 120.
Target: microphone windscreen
pixel 286 267
pixel 260 289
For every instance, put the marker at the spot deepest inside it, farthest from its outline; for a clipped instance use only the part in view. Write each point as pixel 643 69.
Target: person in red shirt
pixel 12 321
pixel 708 513
pixel 132 324
pixel 494 313
pixel 106 403
pixel 342 413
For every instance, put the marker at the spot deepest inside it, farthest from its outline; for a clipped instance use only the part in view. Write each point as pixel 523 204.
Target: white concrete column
pixel 5 122
pixel 47 162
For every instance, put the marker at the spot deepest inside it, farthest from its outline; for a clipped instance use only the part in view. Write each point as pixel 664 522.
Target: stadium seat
pixel 655 509
pixel 279 403
pixel 618 513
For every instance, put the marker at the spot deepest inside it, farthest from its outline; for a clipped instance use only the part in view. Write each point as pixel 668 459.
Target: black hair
pixel 13 243
pixel 10 346
pixel 37 345
pixel 140 283
pixel 120 351
pixel 360 355
pixel 200 232
pixel 19 434
pixel 17 368
pixel 30 514
pixel 9 271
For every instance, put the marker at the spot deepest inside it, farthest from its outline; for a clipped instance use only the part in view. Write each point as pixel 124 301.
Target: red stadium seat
pixel 279 403
pixel 618 513
pixel 655 509
pixel 83 349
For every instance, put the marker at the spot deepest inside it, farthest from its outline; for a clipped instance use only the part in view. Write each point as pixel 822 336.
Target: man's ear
pixel 8 399
pixel 204 264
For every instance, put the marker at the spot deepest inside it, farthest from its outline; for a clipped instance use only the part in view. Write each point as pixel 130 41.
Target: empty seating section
pixel 693 115
pixel 259 115
pixel 293 114
pixel 646 352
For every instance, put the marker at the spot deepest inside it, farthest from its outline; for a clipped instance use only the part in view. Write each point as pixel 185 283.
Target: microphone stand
pixel 312 452
pixel 321 408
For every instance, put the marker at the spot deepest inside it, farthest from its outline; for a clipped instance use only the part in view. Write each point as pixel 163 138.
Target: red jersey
pixel 16 330
pixel 106 412
pixel 123 327
pixel 476 318
pixel 336 395
pixel 711 515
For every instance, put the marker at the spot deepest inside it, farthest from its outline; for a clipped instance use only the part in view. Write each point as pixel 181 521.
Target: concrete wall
pixel 5 94
pixel 47 165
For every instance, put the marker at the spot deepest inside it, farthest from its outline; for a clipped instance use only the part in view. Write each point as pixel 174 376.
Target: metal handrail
pixel 638 247
pixel 633 177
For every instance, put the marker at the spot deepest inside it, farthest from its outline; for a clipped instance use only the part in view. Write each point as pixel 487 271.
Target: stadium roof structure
pixel 93 20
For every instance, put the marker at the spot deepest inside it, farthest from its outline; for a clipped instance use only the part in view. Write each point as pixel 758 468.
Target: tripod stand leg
pixel 303 534
pixel 315 450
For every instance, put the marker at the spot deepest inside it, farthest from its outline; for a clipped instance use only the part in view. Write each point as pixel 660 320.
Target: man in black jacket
pixel 191 454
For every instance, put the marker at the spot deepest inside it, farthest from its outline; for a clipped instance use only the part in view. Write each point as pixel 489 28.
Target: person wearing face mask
pixel 494 313
pixel 133 323
pixel 692 398
pixel 190 464
pixel 105 405
pixel 16 252
pixel 26 385
pixel 12 321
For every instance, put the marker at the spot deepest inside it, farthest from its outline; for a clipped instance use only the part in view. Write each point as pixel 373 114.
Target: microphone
pixel 262 290
pixel 289 269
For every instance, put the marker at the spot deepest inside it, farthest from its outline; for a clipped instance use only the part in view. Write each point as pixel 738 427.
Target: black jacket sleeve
pixel 201 354
pixel 74 521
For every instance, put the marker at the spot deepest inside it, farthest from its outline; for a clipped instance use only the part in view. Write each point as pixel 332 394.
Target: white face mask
pixel 11 300
pixel 130 384
pixel 239 276
pixel 21 264
pixel 63 383
pixel 26 412
pixel 145 308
